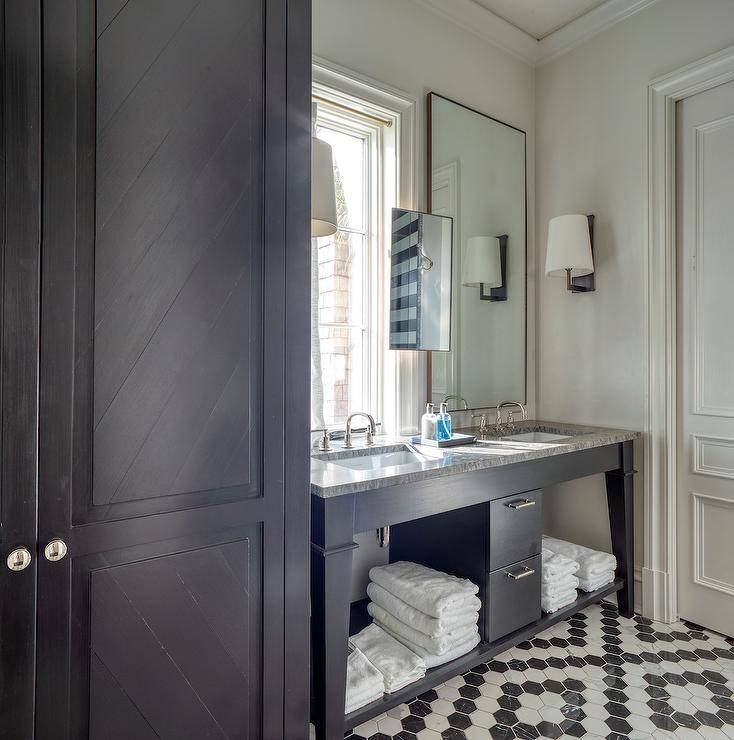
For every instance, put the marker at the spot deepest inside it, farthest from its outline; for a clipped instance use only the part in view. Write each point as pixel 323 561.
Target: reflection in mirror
pixel 420 281
pixel 477 176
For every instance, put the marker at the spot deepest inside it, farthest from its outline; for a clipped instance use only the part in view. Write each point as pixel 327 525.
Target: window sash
pixel 370 330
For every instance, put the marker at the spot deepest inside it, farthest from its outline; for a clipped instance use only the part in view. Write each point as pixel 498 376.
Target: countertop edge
pixel 590 438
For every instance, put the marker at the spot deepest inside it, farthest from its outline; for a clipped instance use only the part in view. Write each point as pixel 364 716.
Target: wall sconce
pixel 570 252
pixel 323 193
pixel 485 266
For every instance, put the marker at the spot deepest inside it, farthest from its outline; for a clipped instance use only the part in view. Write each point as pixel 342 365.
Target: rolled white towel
pixel 431 660
pixel 561 586
pixel 557 566
pixel 436 645
pixel 364 682
pixel 398 664
pixel 430 591
pixel 464 615
pixel 550 604
pixel 592 562
pixel 591 584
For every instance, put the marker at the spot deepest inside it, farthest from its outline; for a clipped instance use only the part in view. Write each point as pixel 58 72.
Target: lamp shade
pixel 323 196
pixel 482 264
pixel 569 247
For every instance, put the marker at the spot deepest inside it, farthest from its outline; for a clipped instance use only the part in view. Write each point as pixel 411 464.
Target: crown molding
pixel 476 19
pixel 583 28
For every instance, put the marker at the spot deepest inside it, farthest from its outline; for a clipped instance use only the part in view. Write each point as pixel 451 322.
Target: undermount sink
pixel 534 437
pixel 365 459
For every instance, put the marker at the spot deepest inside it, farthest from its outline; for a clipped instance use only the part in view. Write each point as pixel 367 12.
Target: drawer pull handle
pixel 521 504
pixel 524 573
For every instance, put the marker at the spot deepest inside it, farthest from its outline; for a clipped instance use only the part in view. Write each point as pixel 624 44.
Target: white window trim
pixel 402 380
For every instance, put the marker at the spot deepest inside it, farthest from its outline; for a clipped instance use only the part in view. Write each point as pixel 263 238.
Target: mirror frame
pixel 429 205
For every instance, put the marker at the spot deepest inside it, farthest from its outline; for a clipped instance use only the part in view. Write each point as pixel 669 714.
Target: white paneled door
pixel 705 228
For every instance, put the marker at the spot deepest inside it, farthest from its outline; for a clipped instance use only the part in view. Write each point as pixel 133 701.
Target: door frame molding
pixel 660 598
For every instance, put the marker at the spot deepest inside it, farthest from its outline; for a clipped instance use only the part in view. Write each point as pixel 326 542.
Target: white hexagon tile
pixel 596 675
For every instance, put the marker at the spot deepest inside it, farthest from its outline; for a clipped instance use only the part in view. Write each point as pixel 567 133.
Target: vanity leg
pixel 620 499
pixel 331 578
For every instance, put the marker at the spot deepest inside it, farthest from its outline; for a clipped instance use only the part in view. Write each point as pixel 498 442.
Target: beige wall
pixel 590 158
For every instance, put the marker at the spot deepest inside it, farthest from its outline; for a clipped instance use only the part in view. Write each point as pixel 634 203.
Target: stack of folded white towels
pixel 433 614
pixel 558 582
pixel 364 681
pixel 596 569
pixel 378 664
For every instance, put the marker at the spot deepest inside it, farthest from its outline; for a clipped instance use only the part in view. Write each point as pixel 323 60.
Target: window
pixel 347 275
pixel 369 128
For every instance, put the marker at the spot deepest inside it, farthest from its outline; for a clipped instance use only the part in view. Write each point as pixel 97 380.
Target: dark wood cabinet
pixel 20 232
pixel 154 284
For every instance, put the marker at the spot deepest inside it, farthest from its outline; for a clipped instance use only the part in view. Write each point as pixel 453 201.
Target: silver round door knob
pixel 19 559
pixel 55 550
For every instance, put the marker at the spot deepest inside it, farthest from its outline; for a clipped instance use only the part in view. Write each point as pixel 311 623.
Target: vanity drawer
pixel 515 528
pixel 513 597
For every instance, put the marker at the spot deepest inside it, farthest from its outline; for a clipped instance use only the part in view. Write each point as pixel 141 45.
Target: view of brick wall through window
pixel 338 282
pixel 335 272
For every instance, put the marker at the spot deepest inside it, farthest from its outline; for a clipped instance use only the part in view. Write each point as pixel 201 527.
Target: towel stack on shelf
pixel 596 569
pixel 398 664
pixel 364 682
pixel 432 613
pixel 558 581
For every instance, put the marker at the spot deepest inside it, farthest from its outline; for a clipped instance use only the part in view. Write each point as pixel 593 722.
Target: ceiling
pixel 540 17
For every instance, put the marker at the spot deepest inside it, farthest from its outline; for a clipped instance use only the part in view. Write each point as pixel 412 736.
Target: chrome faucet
pixel 371 429
pixel 452 397
pixel 510 421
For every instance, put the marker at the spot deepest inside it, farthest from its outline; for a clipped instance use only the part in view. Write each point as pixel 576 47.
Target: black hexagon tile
pixel 596 675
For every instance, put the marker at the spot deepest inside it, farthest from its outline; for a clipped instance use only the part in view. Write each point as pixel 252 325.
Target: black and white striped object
pixel 405 279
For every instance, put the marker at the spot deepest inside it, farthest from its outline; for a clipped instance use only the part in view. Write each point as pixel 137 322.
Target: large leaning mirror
pixel 476 175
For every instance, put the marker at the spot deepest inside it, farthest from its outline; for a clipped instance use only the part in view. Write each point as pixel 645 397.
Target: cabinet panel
pixel 513 597
pixel 179 631
pixel 516 528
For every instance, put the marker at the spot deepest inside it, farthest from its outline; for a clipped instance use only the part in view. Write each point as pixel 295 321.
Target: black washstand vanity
pixel 474 511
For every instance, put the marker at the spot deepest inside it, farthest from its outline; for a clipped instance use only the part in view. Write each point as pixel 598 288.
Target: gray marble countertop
pixel 330 478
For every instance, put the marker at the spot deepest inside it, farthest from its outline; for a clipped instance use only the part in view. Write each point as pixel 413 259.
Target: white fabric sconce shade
pixel 482 263
pixel 323 195
pixel 569 247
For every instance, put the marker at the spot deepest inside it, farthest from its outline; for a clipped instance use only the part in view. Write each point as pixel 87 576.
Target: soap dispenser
pixel 443 424
pixel 428 423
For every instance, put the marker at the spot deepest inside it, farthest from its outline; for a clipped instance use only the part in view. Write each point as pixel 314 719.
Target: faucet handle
pixel 325 440
pixel 482 422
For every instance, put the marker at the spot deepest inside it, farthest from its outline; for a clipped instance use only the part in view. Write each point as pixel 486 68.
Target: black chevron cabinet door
pixel 173 337
pixel 20 182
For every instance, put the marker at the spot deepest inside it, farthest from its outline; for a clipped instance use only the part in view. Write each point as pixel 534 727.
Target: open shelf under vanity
pixel 482 653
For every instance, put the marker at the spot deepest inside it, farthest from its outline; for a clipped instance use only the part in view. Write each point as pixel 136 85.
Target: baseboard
pixel 638 591
pixel 656 595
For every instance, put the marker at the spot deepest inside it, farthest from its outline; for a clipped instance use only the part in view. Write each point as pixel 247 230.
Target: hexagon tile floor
pixel 594 675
